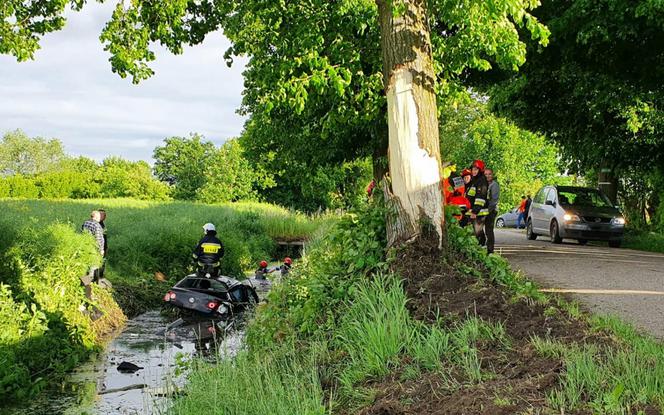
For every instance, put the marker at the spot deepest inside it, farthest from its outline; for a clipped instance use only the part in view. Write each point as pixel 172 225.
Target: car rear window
pixel 202 284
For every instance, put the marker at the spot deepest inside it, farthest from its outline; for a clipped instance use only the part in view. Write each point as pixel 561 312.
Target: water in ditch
pixel 95 387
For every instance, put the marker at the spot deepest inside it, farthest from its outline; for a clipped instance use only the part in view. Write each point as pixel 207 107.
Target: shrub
pixel 44 328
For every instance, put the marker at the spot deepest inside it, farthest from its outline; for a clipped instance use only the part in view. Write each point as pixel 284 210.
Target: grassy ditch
pixel 414 331
pixel 45 318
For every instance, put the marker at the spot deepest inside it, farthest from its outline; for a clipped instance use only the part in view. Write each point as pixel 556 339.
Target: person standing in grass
pixel 494 195
pixel 93 226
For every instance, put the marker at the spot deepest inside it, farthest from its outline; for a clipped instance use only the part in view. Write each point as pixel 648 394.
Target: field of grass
pixel 45 324
pixel 383 345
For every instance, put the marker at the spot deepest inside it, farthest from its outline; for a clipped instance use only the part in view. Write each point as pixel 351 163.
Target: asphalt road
pixel 621 282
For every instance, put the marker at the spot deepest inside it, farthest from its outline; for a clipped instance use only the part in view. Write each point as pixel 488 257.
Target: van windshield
pixel 580 196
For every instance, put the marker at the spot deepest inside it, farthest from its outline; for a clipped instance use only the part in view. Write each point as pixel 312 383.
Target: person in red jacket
pixel 522 213
pixel 456 193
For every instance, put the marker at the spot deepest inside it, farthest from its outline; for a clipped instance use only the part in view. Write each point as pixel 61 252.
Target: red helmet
pixel 263 264
pixel 479 164
pixel 466 172
pixel 288 261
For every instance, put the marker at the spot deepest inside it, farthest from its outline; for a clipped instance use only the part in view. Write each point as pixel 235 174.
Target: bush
pixel 310 300
pixel 45 330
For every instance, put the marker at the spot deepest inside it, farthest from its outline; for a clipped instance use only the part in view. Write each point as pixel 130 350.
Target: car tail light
pixel 169 296
pixel 212 305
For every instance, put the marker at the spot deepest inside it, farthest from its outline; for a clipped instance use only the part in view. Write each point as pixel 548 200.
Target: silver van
pixel 579 213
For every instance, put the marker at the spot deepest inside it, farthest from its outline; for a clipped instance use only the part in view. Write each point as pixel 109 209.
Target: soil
pixel 520 377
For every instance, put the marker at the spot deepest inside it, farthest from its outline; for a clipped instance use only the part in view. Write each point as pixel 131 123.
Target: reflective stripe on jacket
pixel 477 191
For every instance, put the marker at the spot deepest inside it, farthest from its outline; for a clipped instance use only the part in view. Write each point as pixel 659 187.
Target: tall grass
pixel 146 237
pixel 644 241
pixel 46 326
pixel 608 380
pixel 375 330
pixel 283 382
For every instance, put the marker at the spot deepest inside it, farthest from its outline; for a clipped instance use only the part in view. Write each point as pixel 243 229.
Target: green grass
pixel 284 382
pixel 644 241
pixel 146 237
pixel 44 329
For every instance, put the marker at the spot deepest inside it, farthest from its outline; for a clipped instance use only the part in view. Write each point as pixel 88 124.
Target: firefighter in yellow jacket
pixel 208 252
pixel 477 193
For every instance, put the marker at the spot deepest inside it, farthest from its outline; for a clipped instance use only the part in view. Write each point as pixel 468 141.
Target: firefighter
pixel 208 252
pixel 477 192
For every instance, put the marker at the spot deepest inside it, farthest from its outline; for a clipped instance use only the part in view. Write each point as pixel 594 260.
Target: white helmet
pixel 209 227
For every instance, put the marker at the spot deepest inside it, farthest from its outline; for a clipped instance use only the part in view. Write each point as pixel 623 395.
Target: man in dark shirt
pixel 209 251
pixel 494 196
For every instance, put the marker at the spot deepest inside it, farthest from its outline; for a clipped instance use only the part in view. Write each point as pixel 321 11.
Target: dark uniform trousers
pixel 488 230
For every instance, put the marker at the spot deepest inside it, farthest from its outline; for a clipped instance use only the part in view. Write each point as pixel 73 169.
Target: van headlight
pixel 222 309
pixel 618 221
pixel 571 218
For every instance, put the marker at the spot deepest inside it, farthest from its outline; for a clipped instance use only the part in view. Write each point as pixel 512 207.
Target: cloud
pixel 70 93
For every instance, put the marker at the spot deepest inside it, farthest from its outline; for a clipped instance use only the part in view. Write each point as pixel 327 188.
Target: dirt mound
pixel 520 379
pixel 436 288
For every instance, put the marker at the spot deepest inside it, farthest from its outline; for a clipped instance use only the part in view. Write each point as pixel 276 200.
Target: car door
pixel 536 212
pixel 548 210
pixel 511 218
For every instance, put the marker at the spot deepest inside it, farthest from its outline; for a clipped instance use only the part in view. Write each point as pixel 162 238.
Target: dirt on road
pixel 621 282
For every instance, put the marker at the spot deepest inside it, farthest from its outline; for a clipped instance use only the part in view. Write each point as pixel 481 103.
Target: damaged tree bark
pixel 414 149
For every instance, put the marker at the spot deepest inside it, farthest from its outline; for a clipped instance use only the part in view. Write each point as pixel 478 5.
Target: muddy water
pixel 163 358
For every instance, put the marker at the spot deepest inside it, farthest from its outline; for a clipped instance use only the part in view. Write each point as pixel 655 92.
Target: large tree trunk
pixel 414 149
pixel 608 182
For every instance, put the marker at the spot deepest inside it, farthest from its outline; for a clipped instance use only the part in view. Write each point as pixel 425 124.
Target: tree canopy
pixel 20 154
pixel 597 88
pixel 315 72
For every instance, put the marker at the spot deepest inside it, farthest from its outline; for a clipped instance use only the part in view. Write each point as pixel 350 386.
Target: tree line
pixel 319 71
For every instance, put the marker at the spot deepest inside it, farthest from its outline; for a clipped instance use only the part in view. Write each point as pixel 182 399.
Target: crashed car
pixel 211 297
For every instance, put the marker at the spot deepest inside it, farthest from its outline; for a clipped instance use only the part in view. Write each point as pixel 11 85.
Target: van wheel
pixel 555 233
pixel 582 241
pixel 529 231
pixel 615 244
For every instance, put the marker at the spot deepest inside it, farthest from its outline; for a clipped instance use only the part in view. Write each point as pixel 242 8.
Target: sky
pixel 69 92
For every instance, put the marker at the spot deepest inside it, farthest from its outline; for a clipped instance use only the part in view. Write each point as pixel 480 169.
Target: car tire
pixel 615 244
pixel 500 223
pixel 530 235
pixel 582 241
pixel 555 233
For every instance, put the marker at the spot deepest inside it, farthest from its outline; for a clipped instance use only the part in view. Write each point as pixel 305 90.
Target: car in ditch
pixel 211 297
pixel 572 212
